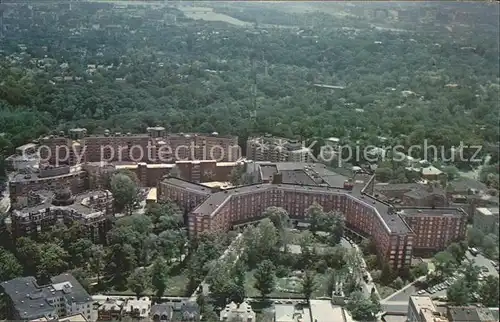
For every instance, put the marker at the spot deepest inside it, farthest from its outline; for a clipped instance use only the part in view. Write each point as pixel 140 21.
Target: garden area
pixel 274 261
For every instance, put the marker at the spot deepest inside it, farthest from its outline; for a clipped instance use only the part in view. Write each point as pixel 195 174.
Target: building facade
pixel 275 149
pixel 396 233
pixel 91 209
pixel 64 296
pixel 435 229
pixel 422 309
pixel 155 146
pixel 486 220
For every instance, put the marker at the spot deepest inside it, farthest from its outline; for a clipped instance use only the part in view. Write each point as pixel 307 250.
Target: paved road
pixel 367 286
pixel 480 260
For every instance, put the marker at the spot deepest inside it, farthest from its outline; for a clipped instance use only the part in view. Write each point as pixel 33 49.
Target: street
pixel 367 286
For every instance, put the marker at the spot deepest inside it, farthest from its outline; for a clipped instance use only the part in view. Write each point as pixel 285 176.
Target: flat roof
pixel 296 177
pixel 324 311
pixel 198 188
pixel 218 184
pixel 268 170
pixel 151 194
pixel 423 302
pixel 26 146
pixel 422 211
pixel 86 211
pixel 488 211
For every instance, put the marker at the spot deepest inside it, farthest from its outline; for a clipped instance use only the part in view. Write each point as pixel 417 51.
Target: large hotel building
pixel 399 231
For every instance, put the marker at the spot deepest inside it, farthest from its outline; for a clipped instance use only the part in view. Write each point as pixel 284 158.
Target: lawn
pixel 289 287
pixel 384 291
pixel 176 286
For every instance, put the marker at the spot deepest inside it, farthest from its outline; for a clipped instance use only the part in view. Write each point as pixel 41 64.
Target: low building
pixel 73 318
pixel 289 313
pixel 151 197
pixel 469 314
pixel 136 309
pixel 432 173
pixel 234 312
pixel 325 311
pixel 161 313
pixel 487 220
pixel 422 309
pixel 111 310
pixel 63 297
pixel 190 312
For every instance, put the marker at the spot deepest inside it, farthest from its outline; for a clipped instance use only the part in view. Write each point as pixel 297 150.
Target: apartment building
pixel 64 296
pixel 422 309
pixel 487 220
pixel 46 178
pixel 45 208
pixel 155 146
pixel 275 149
pixel 24 157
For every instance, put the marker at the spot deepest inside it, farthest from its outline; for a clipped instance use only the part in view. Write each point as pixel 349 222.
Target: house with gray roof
pixel 64 296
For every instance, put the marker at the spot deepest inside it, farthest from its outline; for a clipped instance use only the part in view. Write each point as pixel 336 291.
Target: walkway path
pixel 205 286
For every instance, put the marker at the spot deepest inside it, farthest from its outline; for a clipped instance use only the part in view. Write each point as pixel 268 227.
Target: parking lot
pixel 486 266
pixel 398 302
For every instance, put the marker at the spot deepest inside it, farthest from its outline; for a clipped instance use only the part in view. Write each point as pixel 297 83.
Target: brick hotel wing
pixel 397 232
pixel 212 211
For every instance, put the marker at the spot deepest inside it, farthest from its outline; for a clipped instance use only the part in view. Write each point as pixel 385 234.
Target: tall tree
pixel 458 293
pixel 315 214
pixel 125 191
pixel 489 291
pixel 361 308
pixel 53 261
pixel 458 251
pixel 96 261
pixel 159 276
pixel 9 265
pixel 308 285
pixel 265 280
pixel 278 216
pixel 445 264
pixel 138 281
